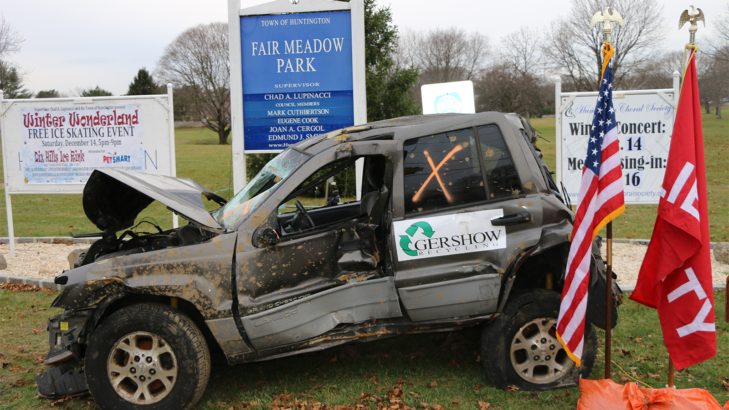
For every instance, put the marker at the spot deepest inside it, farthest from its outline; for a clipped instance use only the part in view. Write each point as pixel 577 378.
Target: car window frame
pixel 479 152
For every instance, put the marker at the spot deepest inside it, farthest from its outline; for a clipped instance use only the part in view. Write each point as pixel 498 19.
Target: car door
pixel 313 278
pixel 464 218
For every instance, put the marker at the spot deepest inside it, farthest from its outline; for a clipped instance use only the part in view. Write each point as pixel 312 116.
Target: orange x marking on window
pixel 416 198
pixel 245 210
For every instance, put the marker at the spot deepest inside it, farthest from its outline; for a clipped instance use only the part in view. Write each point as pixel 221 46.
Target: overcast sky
pixel 77 44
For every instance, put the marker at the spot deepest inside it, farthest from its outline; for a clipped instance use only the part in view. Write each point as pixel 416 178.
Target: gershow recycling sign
pixel 467 232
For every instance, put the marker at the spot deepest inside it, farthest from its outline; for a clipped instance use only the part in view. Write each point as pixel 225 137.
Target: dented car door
pixel 318 274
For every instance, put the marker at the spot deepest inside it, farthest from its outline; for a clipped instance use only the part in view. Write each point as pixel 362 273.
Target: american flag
pixel 600 201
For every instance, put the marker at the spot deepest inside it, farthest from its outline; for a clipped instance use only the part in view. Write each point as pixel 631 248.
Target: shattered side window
pixel 259 188
pixel 442 170
pixel 503 180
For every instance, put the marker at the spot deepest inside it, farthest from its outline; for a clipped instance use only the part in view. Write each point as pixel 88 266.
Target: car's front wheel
pixel 520 348
pixel 147 355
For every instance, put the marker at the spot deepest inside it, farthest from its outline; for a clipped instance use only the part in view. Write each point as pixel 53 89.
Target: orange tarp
pixel 608 395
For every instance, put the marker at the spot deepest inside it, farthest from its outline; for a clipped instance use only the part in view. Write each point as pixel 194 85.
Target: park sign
pixel 644 123
pixel 297 71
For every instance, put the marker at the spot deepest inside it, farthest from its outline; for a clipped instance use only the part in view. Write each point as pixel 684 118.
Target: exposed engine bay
pixel 131 241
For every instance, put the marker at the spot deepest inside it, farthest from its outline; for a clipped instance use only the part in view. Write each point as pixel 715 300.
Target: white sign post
pixel 446 98
pixel 297 70
pixel 645 123
pixel 52 145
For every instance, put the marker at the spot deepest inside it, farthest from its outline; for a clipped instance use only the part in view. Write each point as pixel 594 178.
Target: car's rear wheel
pixel 147 355
pixel 520 348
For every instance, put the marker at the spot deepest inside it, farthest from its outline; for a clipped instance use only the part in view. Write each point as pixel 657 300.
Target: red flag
pixel 676 274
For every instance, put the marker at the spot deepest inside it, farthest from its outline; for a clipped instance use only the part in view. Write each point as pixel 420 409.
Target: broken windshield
pixel 259 188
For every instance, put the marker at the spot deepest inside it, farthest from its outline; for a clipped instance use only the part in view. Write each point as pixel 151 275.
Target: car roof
pixel 404 128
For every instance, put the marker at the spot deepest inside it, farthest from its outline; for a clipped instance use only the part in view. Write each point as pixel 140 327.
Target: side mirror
pixel 266 237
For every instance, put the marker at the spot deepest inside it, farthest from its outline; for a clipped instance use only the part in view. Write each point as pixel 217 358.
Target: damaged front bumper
pixel 66 335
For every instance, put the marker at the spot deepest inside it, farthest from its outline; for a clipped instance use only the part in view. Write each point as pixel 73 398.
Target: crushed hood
pixel 113 198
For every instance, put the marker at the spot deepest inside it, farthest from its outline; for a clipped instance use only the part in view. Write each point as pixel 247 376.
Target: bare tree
pixel 575 49
pixel 654 73
pixel 713 84
pixel 10 40
pixel 521 50
pixel 514 84
pixel 11 78
pixel 198 60
pixel 445 55
pixel 718 42
pixel 503 88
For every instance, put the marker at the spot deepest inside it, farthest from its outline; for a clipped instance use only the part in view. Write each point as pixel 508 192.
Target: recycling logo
pixel 411 231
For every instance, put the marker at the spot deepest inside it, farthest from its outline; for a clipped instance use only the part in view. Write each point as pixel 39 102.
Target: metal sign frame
pixel 283 7
pixel 563 101
pixel 7 127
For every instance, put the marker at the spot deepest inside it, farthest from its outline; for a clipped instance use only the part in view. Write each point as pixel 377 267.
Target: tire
pixel 120 373
pixel 507 359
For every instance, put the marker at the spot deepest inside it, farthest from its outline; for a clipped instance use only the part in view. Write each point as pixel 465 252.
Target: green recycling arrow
pixel 427 230
pixel 405 245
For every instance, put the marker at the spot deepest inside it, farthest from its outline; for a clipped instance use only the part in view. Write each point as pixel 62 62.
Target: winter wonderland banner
pixel 64 144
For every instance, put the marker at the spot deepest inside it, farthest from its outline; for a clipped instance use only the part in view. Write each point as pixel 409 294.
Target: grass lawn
pixel 342 375
pixel 200 158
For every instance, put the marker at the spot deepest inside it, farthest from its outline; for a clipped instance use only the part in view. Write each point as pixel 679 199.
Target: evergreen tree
pixel 388 86
pixel 95 92
pixel 11 82
pixel 143 84
pixel 48 94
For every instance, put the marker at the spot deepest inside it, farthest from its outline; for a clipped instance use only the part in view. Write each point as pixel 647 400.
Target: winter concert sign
pixel 644 123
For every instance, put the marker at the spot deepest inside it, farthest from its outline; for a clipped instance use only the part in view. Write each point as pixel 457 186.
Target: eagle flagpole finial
pixel 694 16
pixel 606 18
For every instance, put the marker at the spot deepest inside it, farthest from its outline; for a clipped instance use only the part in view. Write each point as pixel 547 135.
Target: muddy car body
pixel 460 224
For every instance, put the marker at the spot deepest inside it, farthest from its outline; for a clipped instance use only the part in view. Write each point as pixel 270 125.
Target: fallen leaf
pixel 434 384
pixel 400 381
pixel 36 331
pixel 317 387
pixel 534 396
pixel 511 389
pixel 424 405
pixel 725 383
pixel 478 386
pixel 623 379
pixel 61 400
pixel 455 404
pixel 639 339
pixel 654 376
pixel 438 407
pixel 364 395
pixel 626 352
pixel 483 405
pixel 334 359
pixel 416 395
pixel 375 382
pixel 567 393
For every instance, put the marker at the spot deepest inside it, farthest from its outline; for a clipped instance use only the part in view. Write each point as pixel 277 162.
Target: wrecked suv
pixel 459 224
